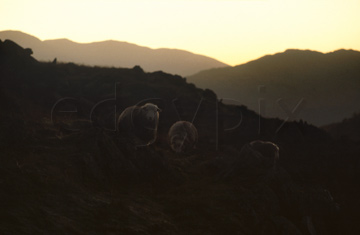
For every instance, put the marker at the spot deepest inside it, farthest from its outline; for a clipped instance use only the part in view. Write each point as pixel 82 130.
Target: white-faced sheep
pixel 139 124
pixel 183 136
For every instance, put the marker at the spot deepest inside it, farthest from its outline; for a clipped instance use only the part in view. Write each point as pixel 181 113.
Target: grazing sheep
pixel 183 136
pixel 256 162
pixel 268 150
pixel 139 124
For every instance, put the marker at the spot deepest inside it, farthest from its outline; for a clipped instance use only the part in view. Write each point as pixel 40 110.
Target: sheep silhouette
pixel 269 152
pixel 139 124
pixel 183 136
pixel 256 162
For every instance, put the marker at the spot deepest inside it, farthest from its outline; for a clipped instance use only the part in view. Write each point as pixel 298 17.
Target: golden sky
pixel 232 31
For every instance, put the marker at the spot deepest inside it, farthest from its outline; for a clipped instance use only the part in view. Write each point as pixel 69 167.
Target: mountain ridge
pixel 328 81
pixel 119 54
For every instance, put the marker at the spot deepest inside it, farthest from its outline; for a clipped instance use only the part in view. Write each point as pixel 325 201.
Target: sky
pixel 232 31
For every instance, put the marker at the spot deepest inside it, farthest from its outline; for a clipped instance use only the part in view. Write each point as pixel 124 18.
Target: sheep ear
pixel 159 110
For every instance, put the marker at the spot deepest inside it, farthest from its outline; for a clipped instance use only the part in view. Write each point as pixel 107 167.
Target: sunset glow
pixel 233 32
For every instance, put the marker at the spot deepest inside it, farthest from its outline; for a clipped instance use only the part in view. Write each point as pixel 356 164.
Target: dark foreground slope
pixel 114 53
pixel 326 85
pixel 348 129
pixel 64 170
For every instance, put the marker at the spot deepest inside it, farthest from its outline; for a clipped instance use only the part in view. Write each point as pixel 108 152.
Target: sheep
pixel 139 124
pixel 256 162
pixel 183 136
pixel 268 150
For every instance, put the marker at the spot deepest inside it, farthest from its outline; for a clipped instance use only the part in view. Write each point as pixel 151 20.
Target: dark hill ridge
pixel 329 83
pixel 114 53
pixel 70 173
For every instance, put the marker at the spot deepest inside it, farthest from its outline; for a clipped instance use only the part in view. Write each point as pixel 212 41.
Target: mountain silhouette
pixel 325 86
pixel 114 54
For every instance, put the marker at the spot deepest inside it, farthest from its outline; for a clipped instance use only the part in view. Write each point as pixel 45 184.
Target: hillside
pixel 328 83
pixel 64 170
pixel 347 129
pixel 114 54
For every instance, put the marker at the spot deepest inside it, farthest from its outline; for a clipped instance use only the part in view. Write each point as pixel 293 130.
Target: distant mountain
pixel 326 85
pixel 114 53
